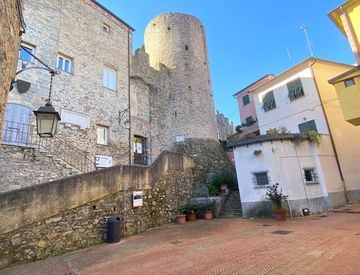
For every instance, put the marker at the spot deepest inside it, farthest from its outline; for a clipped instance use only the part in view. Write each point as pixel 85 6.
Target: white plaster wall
pixel 291 113
pixel 284 162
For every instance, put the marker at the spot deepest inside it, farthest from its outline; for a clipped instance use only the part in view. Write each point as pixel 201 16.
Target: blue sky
pixel 247 39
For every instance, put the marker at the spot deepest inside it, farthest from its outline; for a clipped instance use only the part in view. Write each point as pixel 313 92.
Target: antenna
pixel 303 27
pixel 289 55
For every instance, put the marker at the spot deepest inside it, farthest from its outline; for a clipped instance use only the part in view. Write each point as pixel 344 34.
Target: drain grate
pixel 282 232
pixel 267 225
pixel 175 242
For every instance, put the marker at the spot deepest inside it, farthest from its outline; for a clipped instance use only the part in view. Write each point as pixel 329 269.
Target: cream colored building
pixel 301 99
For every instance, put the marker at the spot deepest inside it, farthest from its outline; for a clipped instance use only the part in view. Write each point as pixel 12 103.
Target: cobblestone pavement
pixel 322 244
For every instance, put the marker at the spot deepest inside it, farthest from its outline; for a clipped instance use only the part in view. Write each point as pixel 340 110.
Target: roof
pixel 355 71
pixel 266 138
pixel 112 14
pixel 254 84
pixel 309 62
pixel 335 13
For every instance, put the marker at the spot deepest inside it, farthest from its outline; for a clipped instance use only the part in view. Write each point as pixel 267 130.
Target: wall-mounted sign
pixel 137 198
pixel 103 161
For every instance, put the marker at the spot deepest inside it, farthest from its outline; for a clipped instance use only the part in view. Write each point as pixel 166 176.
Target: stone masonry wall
pixel 50 29
pixel 77 208
pixel 210 160
pixel 9 50
pixel 21 167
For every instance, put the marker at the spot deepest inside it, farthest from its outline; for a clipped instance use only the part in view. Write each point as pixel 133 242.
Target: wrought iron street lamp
pixel 47 117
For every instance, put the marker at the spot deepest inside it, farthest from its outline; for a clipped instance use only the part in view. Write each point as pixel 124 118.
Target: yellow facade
pixel 347 87
pixel 345 135
pixel 347 18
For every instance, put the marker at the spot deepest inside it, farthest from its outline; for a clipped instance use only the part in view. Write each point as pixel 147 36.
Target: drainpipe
pixel 129 101
pixel 330 133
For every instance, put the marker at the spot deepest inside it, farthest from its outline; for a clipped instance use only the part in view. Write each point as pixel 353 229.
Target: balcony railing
pixel 21 134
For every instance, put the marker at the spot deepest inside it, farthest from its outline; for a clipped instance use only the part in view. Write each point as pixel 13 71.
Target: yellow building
pixel 347 87
pixel 347 18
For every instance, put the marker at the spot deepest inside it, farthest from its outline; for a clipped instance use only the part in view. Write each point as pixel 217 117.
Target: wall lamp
pixel 47 117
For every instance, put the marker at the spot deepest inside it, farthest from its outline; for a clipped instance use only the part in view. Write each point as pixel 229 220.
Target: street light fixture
pixel 47 117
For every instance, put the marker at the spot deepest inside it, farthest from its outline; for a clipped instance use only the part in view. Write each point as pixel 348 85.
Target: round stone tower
pixel 178 41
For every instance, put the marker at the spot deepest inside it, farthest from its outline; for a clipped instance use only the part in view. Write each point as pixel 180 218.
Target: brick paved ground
pixel 316 245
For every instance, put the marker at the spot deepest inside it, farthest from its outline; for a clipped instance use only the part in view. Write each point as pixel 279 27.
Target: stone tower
pixel 178 41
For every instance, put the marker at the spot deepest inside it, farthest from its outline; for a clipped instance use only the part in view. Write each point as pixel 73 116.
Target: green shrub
pixel 213 190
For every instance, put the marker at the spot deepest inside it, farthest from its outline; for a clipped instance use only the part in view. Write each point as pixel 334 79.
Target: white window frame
pixel 313 175
pixel 106 28
pixel 64 58
pixel 256 184
pixel 26 45
pixel 109 78
pixel 102 135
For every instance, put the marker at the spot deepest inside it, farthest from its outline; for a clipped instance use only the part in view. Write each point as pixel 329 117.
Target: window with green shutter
pixel 269 101
pixel 295 89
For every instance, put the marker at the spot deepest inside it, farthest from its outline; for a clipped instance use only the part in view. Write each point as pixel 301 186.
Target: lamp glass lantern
pixel 46 120
pixel 127 124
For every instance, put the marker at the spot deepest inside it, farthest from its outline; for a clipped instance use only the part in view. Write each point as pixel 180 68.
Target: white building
pixel 300 100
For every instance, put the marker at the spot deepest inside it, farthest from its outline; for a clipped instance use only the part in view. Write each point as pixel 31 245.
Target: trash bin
pixel 113 227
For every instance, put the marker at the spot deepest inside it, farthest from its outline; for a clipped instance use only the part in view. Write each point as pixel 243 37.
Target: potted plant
pixel 181 217
pixel 274 194
pixel 209 210
pixel 190 211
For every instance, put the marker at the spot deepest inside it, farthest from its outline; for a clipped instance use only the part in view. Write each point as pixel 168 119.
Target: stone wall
pixel 178 41
pixel 10 27
pixel 81 93
pixel 23 166
pixel 210 160
pixel 225 126
pixel 77 208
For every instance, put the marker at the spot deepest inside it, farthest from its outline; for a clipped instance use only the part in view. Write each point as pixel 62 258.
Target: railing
pixel 22 134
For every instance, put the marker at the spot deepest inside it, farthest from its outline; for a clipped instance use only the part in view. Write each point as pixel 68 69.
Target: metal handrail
pixel 21 134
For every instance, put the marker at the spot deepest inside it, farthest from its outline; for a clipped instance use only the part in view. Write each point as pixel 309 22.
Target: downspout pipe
pixel 129 100
pixel 330 133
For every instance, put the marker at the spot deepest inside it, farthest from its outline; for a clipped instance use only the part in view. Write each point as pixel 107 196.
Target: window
pixel 106 28
pixel 295 89
pixel 310 175
pixel 349 82
pixel 64 63
pixel 269 101
pixel 102 134
pixel 307 126
pixel 261 179
pixel 186 47
pixel 109 78
pixel 246 100
pixel 249 120
pixel 23 55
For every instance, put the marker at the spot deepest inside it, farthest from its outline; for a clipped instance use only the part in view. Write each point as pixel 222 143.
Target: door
pixel 139 150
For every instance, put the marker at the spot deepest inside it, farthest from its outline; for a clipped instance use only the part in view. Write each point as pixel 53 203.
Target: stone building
pixel 226 127
pixel 163 92
pixel 11 28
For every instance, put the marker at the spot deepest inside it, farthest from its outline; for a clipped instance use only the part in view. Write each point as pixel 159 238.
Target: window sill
pixel 107 88
pixel 312 182
pixel 261 186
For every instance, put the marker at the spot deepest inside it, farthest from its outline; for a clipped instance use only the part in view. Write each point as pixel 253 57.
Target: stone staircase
pixel 232 205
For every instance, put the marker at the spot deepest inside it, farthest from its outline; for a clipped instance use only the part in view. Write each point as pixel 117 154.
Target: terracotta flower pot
pixel 208 215
pixel 280 214
pixel 181 218
pixel 191 217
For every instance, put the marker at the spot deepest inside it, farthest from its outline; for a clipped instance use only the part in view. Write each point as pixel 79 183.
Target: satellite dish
pixel 21 85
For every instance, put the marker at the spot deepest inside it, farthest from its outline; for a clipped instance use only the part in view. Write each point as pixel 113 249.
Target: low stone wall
pixel 65 215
